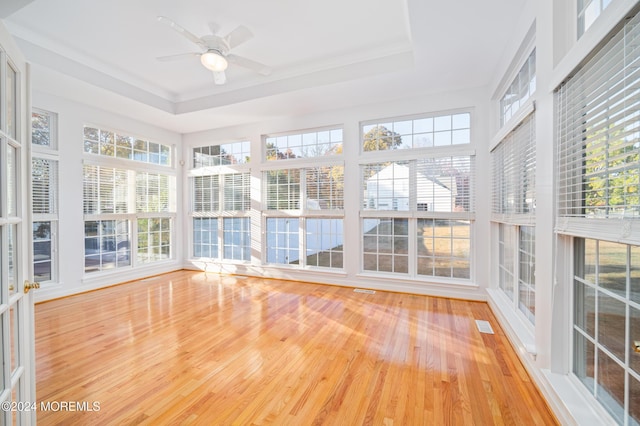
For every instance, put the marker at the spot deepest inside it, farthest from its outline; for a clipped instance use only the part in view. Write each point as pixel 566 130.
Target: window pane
pixel 527 272
pixel 385 245
pixel 584 360
pixel 304 145
pixel 443 248
pixel 237 238
pixel 110 249
pixel 283 240
pixel 325 188
pixel 41 129
pixel 612 271
pixel 205 237
pixel 324 243
pixel 154 240
pixel 610 390
pixel 386 186
pixel 282 189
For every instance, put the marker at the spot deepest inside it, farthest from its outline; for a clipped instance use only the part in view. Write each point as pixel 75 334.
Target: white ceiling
pixel 324 54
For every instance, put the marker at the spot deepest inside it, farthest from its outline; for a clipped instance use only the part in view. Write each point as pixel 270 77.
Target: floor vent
pixel 364 290
pixel 484 327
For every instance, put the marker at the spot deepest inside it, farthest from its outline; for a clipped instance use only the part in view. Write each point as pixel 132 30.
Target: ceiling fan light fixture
pixel 214 61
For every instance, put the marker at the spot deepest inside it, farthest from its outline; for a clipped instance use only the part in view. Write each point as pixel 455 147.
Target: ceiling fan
pixel 214 54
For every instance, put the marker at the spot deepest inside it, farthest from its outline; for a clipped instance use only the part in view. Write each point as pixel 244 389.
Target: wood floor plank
pixel 195 348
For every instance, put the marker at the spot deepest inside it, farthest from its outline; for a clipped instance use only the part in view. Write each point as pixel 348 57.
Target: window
pixel 607 324
pixel 419 132
pixel 215 196
pixel 385 245
pixel 588 12
pixel 129 210
pixel 310 233
pixel 318 143
pixel 106 244
pixel 205 237
pixel 114 144
pixel 283 240
pixel 520 90
pixel 44 195
pixel 43 129
pixel 513 209
pixel 417 213
pixel 444 248
pixel 223 154
pixel 44 184
pixel 221 202
pixel 324 242
pixel 598 169
pixel 237 238
pixel 322 189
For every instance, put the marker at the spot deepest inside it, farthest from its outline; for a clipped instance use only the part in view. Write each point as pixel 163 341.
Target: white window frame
pixel 130 213
pixel 412 213
pixel 218 173
pixel 49 153
pixel 574 221
pixel 302 208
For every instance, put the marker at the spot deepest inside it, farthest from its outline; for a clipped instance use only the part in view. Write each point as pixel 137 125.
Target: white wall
pixel 349 119
pixel 71 118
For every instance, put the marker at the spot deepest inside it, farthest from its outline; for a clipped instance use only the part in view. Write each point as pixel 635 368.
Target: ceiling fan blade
pixel 190 36
pixel 219 77
pixel 238 36
pixel 177 57
pixel 248 63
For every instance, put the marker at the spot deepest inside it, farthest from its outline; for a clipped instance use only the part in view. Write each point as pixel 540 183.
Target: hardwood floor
pixel 190 348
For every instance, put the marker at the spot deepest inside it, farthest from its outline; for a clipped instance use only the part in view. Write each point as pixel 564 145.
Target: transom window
pixel 588 12
pixel 520 90
pixel 223 154
pixel 420 132
pixel 317 143
pixel 113 144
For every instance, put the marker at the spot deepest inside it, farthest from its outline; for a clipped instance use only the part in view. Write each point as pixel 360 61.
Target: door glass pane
pixel 15 347
pixel 12 251
pixel 11 180
pixel 11 101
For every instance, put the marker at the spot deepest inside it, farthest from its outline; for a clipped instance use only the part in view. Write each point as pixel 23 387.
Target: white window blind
pixel 598 144
pixel 237 191
pixel 206 194
pixel 153 192
pixel 514 174
pixel 106 190
pixel 429 184
pixel 44 174
pixel 282 189
pixel 325 188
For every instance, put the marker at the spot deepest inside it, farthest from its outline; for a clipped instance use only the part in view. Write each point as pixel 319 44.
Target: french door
pixel 17 378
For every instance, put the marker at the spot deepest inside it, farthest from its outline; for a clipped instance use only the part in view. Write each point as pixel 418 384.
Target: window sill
pixel 512 322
